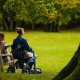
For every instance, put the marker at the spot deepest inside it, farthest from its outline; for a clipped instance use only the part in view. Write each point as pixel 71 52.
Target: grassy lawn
pixel 54 50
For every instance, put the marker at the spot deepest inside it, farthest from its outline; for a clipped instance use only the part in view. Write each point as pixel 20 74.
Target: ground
pixel 53 50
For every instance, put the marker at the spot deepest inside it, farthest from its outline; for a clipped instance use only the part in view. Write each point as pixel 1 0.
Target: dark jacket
pixel 19 40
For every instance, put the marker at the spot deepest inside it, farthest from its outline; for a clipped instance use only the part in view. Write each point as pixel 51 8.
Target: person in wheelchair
pixel 24 54
pixel 27 50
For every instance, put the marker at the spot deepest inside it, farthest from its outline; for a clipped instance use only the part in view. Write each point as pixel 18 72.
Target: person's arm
pixel 6 49
pixel 27 47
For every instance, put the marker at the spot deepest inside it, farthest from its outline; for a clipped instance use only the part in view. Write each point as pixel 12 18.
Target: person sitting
pixel 4 50
pixel 20 40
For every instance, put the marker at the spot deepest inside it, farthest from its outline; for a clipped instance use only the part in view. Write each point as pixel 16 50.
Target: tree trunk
pixel 75 75
pixel 17 23
pixel 4 20
pixel 5 26
pixel 55 26
pixel 33 25
pixel 11 25
pixel 46 28
pixel 70 71
pixel 51 27
pixel 1 28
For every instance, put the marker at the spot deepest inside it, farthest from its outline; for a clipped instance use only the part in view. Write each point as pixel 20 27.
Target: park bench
pixel 1 61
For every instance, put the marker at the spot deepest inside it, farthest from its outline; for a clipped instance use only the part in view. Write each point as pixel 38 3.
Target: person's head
pixel 2 36
pixel 20 31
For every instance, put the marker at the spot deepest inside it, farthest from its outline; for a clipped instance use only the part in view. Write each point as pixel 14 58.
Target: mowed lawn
pixel 53 50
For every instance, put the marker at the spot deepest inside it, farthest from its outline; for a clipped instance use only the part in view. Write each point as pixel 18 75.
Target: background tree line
pixel 49 14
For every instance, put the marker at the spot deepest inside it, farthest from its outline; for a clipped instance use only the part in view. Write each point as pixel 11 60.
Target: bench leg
pixel 1 64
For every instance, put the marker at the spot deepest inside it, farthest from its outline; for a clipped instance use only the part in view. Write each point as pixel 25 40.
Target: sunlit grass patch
pixel 53 50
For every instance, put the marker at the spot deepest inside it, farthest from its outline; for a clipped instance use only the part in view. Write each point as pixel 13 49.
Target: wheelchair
pixel 27 65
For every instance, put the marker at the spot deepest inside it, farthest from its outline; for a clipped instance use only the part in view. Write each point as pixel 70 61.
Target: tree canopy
pixel 56 13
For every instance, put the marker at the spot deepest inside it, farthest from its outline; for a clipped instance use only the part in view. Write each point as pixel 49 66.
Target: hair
pixel 20 31
pixel 2 36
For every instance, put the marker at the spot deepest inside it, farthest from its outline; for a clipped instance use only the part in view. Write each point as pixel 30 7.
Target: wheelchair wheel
pixel 11 69
pixel 26 69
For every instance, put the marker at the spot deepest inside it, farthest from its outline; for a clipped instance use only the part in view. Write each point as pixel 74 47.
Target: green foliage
pixel 66 10
pixel 14 8
pixel 46 12
pixel 60 12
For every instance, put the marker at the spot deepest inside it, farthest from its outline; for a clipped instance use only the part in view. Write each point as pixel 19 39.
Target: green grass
pixel 53 50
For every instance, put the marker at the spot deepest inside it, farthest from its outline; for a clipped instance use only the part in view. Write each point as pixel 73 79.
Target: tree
pixel 30 13
pixel 65 10
pixel 72 70
pixel 46 14
pixel 4 15
pixel 14 9
pixel 53 12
